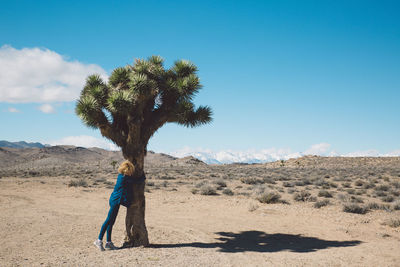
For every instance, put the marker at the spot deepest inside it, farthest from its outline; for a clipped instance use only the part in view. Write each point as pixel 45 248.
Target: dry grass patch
pixel 396 205
pixel 355 208
pixel 388 199
pixel 321 203
pixel 269 197
pixel 220 183
pixel 393 222
pixel 304 196
pixel 382 187
pixel 78 183
pixel 227 192
pixel 251 180
pixel 269 180
pixel 325 193
pixel 253 207
pixel 207 190
pixel 377 206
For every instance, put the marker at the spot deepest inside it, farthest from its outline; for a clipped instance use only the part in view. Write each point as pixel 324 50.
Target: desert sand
pixel 46 223
pixel 53 201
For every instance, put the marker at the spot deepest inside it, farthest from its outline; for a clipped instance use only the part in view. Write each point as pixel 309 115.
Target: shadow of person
pixel 258 241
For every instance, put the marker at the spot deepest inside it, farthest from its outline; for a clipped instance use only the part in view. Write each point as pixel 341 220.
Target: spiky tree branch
pixel 140 98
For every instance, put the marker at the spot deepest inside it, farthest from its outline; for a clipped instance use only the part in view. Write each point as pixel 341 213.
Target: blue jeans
pixel 109 222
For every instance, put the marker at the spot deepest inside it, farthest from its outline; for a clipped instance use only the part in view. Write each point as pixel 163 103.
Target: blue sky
pixel 278 74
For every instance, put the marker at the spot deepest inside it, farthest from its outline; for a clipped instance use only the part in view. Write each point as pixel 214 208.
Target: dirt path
pixel 46 224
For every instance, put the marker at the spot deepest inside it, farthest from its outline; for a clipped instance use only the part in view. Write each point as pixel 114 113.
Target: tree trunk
pixel 136 231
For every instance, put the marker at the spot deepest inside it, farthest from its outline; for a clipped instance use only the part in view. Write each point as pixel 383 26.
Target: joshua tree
pixel 113 163
pixel 137 100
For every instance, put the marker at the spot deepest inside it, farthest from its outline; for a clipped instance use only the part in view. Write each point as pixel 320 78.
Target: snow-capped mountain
pixel 269 155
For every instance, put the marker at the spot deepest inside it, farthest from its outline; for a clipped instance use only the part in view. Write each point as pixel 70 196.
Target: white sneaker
pixel 110 245
pixel 98 243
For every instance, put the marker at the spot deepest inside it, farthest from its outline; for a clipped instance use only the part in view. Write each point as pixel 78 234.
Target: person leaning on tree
pixel 121 195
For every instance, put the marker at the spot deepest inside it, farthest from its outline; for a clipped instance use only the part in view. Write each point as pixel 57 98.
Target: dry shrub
pixel 166 177
pixel 220 182
pixel 382 187
pixel 380 194
pixel 388 199
pixel 324 193
pixel 393 223
pixel 377 206
pixel 269 197
pixel 320 182
pixel 369 185
pixel 288 184
pixel 291 190
pixel 200 184
pixel 395 184
pixel 355 208
pixel 253 207
pixel 359 183
pixel 108 183
pixel 149 183
pixel 355 199
pixel 194 190
pixel 395 193
pixel 227 191
pixel 250 180
pixel 75 183
pixel 321 203
pixel 258 189
pixel 101 180
pixel 207 190
pixel 269 180
pixel 351 191
pixel 304 196
pixel 346 185
pixel 361 192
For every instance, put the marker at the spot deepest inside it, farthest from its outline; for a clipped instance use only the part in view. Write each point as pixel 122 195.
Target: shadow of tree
pixel 258 241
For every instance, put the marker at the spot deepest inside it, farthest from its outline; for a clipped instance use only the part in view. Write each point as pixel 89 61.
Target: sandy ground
pixel 45 223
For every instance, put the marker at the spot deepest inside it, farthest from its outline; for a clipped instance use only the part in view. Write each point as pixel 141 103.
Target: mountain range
pixel 20 144
pixel 228 156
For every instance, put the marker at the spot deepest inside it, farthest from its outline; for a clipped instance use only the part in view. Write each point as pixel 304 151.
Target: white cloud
pixel 47 108
pixel 41 75
pixel 13 110
pixel 86 141
pixel 318 149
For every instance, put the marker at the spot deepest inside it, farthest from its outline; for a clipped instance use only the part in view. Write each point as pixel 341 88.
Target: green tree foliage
pixel 138 99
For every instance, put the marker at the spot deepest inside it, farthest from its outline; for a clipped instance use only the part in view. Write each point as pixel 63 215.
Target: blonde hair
pixel 126 168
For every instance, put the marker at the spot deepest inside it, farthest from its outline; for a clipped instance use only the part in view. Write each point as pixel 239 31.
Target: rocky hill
pixel 59 160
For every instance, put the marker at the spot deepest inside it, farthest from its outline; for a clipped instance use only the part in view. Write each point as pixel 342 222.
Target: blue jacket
pixel 123 190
